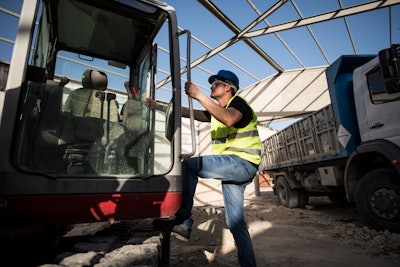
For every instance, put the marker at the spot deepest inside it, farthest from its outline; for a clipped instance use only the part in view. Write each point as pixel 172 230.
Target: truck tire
pixel 377 199
pixel 290 198
pixel 303 198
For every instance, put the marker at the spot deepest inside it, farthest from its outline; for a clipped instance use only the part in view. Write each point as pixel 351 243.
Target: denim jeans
pixel 235 174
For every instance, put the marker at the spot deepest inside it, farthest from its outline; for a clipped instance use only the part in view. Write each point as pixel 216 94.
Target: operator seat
pixel 87 102
pixel 90 111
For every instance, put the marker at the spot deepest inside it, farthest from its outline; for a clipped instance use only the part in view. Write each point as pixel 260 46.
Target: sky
pixel 370 32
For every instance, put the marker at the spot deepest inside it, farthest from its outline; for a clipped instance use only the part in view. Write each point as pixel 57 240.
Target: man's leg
pixel 183 221
pixel 189 183
pixel 220 167
pixel 234 201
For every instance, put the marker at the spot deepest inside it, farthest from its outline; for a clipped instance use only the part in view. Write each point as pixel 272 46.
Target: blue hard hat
pixel 226 76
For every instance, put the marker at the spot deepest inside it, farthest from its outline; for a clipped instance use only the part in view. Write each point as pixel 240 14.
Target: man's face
pixel 219 88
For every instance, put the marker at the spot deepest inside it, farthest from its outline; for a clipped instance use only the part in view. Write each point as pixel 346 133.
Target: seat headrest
pixel 94 79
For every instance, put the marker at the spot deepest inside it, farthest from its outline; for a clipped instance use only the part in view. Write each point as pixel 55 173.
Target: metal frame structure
pixel 246 34
pixel 294 99
pixel 299 96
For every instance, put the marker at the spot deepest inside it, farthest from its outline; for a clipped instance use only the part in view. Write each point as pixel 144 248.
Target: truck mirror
pixel 392 87
pixel 389 60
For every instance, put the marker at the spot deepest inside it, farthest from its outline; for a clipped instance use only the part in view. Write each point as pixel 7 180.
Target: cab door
pixel 380 105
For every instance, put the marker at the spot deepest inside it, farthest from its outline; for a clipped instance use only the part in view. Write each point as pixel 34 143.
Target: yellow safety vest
pixel 243 142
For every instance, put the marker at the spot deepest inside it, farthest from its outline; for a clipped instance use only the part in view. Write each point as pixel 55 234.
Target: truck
pixel 349 150
pixel 78 143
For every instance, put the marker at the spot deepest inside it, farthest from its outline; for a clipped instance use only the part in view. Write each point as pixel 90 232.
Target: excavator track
pixel 120 244
pixel 126 243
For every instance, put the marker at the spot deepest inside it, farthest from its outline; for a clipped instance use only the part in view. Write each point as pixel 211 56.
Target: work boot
pixel 166 224
pixel 182 232
pixel 176 227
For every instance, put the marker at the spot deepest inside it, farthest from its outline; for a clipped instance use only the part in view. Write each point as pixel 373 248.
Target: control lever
pixel 101 96
pixel 107 155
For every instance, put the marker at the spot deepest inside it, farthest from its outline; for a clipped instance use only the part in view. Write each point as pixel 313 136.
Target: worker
pixel 236 151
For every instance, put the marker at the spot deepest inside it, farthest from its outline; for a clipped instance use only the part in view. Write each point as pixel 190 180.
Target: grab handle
pixel 191 111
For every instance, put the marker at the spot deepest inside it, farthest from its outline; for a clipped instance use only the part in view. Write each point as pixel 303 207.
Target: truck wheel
pixel 287 197
pixel 303 198
pixel 377 199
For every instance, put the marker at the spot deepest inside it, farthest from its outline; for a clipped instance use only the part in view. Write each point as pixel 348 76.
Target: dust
pixel 319 235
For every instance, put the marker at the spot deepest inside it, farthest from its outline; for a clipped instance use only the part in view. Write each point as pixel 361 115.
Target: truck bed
pixel 329 133
pixel 313 138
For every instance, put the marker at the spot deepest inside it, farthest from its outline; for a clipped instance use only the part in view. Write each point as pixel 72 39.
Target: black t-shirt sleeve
pixel 207 114
pixel 247 115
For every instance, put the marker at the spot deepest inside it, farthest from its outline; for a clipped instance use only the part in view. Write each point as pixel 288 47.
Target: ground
pixel 319 235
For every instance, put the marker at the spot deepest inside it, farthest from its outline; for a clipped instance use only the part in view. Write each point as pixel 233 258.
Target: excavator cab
pixel 91 126
pixel 79 143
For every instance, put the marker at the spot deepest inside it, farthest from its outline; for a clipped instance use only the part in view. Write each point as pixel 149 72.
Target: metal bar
pixel 390 25
pixel 224 57
pixel 239 33
pixel 348 29
pixel 310 31
pixel 322 17
pixel 7 40
pixel 191 111
pixel 2 9
pixel 277 35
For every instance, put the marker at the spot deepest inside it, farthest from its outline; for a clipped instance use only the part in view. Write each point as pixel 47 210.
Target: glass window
pixel 84 115
pixel 378 88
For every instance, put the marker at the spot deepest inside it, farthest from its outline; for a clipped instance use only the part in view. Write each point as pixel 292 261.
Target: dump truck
pixel 78 143
pixel 349 150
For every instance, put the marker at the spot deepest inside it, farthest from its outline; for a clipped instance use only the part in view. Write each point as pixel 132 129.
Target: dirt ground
pixel 320 235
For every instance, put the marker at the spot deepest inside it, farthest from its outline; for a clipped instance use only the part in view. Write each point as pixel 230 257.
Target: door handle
pixel 377 125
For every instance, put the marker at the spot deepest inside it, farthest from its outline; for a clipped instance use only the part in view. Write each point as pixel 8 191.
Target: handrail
pixel 191 111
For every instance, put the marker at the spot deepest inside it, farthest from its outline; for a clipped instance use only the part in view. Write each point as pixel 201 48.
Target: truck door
pixel 379 105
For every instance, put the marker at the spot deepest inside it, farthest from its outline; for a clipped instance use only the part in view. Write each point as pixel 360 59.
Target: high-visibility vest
pixel 243 142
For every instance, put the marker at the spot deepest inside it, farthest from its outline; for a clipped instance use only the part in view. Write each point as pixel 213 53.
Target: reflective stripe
pixel 222 140
pixel 243 142
pixel 243 134
pixel 219 140
pixel 248 150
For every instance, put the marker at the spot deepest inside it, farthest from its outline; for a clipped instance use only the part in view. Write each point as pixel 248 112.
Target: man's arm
pixel 228 116
pixel 199 115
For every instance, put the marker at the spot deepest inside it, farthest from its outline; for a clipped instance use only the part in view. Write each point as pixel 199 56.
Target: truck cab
pixel 376 104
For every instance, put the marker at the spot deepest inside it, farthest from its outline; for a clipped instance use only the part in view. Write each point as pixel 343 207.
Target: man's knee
pixel 246 182
pixel 235 223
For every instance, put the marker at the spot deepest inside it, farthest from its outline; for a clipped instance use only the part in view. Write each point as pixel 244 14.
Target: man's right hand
pixel 191 90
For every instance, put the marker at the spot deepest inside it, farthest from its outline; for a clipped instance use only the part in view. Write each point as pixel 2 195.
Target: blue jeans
pixel 235 174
